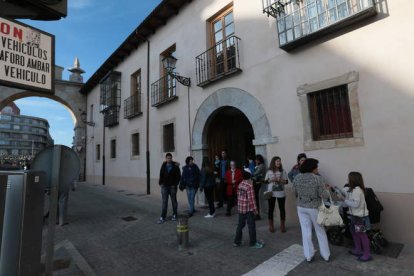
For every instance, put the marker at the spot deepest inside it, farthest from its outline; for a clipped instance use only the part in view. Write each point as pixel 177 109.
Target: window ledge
pixel 166 101
pixel 336 143
pixel 132 116
pixel 220 76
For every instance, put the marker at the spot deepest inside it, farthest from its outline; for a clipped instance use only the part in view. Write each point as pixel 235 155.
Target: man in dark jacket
pixel 170 176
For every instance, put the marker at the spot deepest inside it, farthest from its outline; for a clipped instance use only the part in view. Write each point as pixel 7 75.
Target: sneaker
pixel 174 218
pixel 210 216
pixel 235 244
pixel 161 221
pixel 257 245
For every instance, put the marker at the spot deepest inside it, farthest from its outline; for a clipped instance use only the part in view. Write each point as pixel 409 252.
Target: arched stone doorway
pixel 240 100
pixel 230 129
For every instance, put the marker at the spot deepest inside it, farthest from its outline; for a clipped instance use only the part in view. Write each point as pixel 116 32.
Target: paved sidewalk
pixel 99 242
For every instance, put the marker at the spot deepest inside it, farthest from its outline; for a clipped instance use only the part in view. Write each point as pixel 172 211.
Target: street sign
pixel 27 57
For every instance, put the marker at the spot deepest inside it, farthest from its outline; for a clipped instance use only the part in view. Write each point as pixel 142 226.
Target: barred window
pixel 330 113
pixel 110 98
pixel 113 148
pixel 135 144
pixel 98 152
pixel 168 138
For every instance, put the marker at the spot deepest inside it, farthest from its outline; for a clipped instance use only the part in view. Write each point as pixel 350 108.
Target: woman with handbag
pixel 310 190
pixel 355 200
pixel 277 178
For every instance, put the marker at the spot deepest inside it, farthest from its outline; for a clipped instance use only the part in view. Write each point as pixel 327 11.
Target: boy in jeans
pixel 247 211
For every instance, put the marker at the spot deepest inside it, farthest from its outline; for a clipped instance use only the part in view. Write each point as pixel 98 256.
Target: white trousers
pixel 307 218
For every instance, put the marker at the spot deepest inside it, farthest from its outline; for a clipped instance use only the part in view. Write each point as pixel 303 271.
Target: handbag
pixel 329 216
pixel 267 195
pixel 361 224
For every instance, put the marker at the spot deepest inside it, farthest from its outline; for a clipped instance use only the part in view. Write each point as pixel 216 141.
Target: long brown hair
pixel 206 165
pixel 355 180
pixel 272 165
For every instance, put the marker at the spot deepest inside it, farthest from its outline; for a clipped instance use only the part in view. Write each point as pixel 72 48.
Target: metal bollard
pixel 182 233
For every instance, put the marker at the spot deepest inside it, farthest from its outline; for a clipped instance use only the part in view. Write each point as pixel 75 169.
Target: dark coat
pixel 190 177
pixel 208 181
pixel 171 178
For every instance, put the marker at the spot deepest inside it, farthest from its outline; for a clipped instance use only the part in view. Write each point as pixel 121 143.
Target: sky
pixel 91 31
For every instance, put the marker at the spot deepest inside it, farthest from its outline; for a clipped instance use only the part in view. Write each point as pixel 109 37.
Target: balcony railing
pixel 132 106
pixel 219 61
pixel 163 91
pixel 111 115
pixel 299 22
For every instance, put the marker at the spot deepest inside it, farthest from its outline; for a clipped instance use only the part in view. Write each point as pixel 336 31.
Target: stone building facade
pixel 328 78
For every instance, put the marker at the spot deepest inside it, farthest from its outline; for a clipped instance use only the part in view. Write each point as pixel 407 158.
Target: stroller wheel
pixel 335 236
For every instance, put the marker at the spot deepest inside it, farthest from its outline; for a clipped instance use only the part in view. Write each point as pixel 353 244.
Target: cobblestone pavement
pixel 112 246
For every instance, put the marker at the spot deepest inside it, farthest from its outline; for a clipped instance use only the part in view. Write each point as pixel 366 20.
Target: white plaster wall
pixel 380 51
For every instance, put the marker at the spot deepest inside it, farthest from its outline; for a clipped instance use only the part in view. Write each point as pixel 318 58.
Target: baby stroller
pixel 341 235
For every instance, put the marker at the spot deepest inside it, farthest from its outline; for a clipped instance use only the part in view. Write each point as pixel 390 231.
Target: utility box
pixel 22 222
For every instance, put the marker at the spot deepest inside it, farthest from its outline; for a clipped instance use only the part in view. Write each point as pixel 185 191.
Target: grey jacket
pixel 309 190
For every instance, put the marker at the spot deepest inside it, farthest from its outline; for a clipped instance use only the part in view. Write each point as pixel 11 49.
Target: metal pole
pixel 103 153
pixel 54 189
pixel 189 117
pixel 148 126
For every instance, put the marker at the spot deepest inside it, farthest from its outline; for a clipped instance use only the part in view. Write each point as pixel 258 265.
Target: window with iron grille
pixel 135 144
pixel 98 152
pixel 168 138
pixel 222 58
pixel 132 105
pixel 113 148
pixel 164 89
pixel 330 113
pixel 110 98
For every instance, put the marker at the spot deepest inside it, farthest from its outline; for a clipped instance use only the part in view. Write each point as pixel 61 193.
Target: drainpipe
pixel 148 113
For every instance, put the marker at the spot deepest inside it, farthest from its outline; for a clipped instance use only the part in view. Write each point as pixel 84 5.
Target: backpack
pixel 374 206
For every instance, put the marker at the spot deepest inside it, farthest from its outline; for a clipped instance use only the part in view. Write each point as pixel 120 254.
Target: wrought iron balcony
pixel 132 106
pixel 301 21
pixel 111 115
pixel 219 61
pixel 163 91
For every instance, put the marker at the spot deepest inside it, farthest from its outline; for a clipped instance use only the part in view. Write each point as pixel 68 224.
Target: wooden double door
pixel 231 130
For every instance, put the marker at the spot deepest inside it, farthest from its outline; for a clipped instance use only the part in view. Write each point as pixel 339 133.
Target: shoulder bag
pixel 329 216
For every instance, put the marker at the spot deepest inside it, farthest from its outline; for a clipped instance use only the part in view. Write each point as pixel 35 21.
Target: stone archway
pixel 241 100
pixel 67 93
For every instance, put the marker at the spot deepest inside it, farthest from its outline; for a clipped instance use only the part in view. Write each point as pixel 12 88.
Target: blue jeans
pixel 250 217
pixel 191 192
pixel 165 192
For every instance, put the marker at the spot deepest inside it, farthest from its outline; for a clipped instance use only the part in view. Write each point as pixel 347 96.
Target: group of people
pixel 242 187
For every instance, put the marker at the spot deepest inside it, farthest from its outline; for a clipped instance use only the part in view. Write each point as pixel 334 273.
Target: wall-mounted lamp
pixel 169 65
pixel 83 119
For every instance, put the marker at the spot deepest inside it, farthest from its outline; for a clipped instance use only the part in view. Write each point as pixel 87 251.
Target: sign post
pixel 27 57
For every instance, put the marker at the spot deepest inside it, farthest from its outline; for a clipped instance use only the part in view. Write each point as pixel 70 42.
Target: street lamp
pixel 169 65
pixel 83 119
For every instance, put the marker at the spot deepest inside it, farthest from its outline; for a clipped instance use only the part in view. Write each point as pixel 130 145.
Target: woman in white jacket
pixel 355 200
